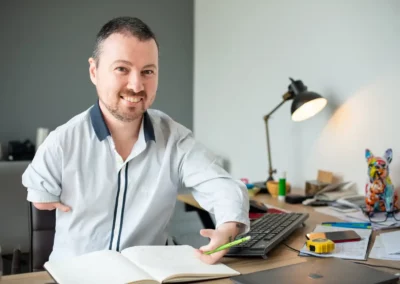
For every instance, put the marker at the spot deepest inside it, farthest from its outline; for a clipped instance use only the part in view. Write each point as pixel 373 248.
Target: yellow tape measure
pixel 320 245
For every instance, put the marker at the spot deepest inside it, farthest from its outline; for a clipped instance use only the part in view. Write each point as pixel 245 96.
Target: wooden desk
pixel 296 239
pixel 281 256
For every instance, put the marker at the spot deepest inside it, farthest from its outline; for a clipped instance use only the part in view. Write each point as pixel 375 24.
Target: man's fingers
pixel 210 259
pixel 44 206
pixel 62 207
pixel 207 247
pixel 206 233
pixel 51 206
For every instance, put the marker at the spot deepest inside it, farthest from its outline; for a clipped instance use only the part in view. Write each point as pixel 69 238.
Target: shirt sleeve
pixel 42 178
pixel 213 188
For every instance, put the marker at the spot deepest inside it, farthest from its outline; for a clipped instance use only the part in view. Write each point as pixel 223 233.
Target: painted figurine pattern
pixel 380 195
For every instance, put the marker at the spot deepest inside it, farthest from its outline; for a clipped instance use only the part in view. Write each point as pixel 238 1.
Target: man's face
pixel 126 76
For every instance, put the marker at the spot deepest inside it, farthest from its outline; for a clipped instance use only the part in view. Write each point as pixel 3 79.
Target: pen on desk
pixel 348 225
pixel 229 245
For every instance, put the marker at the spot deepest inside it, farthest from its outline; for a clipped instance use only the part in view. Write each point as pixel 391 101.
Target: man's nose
pixel 135 82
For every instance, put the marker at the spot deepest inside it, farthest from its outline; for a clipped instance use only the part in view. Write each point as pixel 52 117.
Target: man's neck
pixel 121 130
pixel 124 134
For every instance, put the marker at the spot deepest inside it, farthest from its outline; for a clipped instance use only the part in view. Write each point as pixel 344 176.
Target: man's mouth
pixel 134 99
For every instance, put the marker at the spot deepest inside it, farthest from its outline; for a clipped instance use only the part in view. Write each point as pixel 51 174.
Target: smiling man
pixel 113 171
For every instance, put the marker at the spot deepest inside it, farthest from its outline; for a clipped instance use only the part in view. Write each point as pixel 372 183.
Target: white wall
pixel 348 51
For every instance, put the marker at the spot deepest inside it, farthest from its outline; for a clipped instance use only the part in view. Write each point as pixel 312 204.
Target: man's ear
pixel 93 70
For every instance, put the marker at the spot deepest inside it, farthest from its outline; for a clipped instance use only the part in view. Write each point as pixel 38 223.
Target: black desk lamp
pixel 305 105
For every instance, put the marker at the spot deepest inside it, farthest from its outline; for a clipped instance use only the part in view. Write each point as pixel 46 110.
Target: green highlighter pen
pixel 229 245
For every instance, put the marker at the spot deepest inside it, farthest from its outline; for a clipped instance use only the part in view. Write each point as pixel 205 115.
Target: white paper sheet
pixel 378 251
pixel 391 242
pixel 348 250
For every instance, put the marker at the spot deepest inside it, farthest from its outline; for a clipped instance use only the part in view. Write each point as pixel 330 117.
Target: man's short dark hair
pixel 133 26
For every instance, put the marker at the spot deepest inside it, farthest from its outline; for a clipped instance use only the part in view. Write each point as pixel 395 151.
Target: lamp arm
pixel 285 97
pixel 271 170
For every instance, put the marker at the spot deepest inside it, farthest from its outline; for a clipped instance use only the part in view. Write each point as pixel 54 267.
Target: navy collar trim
pixel 102 131
pixel 148 128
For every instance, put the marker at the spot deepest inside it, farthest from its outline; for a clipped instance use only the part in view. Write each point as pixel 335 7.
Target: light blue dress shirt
pixel 117 204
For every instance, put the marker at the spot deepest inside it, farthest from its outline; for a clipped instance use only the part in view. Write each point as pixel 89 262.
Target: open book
pixel 140 264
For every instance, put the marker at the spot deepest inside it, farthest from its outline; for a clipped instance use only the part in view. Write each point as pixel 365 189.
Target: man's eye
pixel 121 69
pixel 147 72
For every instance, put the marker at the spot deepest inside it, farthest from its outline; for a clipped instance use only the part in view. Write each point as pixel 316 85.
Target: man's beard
pixel 125 117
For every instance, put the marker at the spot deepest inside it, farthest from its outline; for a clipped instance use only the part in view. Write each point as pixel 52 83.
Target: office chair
pixel 42 225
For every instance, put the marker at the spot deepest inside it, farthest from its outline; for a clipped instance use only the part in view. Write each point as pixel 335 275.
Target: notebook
pixel 139 264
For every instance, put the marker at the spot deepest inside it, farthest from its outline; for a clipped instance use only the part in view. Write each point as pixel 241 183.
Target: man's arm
pixel 42 178
pixel 216 192
pixel 213 188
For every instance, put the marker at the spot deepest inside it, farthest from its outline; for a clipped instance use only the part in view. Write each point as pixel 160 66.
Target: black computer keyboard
pixel 267 232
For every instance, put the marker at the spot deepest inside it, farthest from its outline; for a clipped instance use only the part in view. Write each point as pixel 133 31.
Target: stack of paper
pixel 347 250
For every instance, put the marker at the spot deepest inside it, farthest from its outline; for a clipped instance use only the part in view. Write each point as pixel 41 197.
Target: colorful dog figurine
pixel 380 195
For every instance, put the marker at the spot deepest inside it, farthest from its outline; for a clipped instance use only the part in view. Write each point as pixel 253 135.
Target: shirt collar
pixel 102 131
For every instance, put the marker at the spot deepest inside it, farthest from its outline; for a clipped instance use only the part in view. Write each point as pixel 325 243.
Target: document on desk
pixel 378 251
pixel 391 242
pixel 349 250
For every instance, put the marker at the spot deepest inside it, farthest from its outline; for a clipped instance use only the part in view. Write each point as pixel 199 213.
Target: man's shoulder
pixel 164 122
pixel 74 124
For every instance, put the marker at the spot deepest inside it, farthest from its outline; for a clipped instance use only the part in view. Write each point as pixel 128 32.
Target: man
pixel 113 171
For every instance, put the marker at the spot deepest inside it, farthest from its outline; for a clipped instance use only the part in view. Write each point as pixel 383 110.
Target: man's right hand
pixel 52 206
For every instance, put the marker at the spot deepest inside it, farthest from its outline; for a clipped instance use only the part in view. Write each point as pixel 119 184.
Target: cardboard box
pixel 324 178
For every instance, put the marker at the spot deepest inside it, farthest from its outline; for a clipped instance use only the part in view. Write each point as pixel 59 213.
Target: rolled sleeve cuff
pixel 243 221
pixel 241 217
pixel 41 196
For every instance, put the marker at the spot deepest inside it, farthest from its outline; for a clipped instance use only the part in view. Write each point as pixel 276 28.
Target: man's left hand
pixel 224 234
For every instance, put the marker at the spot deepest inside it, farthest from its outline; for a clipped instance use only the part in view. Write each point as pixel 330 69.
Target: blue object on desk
pixel 250 186
pixel 365 225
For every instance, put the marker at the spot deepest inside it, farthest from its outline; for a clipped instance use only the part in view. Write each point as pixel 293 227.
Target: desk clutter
pixel 345 240
pixel 345 250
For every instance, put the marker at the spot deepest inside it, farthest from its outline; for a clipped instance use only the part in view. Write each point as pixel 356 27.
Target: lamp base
pixel 271 178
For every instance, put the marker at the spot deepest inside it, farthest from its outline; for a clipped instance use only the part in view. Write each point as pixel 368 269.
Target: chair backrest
pixel 42 225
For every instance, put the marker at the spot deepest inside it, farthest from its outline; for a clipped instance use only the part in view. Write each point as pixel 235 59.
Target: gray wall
pixel 45 46
pixel 44 81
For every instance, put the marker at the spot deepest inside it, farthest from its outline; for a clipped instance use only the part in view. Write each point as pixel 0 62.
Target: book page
pixel 347 250
pixel 167 262
pixel 96 267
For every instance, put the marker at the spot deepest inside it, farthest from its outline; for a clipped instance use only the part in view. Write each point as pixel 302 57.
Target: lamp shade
pixel 307 104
